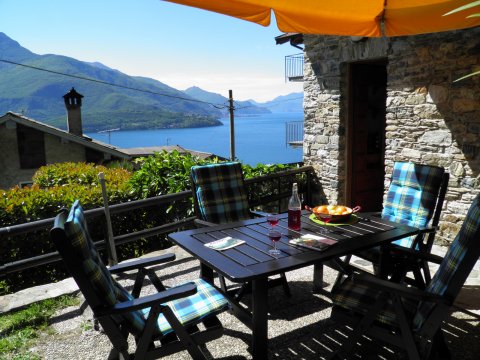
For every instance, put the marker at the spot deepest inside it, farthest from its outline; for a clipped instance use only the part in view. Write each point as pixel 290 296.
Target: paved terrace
pixel 299 326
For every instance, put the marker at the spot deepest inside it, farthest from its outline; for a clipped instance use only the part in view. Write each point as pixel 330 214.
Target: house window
pixel 31 147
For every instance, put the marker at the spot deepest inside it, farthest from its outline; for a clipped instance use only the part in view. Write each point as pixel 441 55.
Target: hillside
pixel 243 108
pixel 38 94
pixel 287 103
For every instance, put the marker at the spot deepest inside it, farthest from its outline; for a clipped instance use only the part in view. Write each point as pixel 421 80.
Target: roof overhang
pixel 82 140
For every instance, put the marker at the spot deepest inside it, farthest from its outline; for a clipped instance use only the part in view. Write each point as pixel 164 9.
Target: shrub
pixel 163 173
pixel 55 187
pixel 80 174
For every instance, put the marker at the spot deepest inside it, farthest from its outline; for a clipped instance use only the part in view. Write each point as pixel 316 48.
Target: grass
pixel 19 329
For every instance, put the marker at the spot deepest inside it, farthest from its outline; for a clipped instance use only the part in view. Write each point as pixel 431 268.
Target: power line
pixel 217 106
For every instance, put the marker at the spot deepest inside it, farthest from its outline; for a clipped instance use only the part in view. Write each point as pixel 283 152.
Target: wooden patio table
pixel 251 262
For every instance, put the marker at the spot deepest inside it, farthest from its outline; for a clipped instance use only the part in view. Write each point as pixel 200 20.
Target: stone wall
pixel 56 150
pixel 430 118
pixel 10 172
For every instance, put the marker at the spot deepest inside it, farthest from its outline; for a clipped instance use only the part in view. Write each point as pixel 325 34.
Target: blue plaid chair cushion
pixel 412 196
pixel 192 309
pixel 450 276
pixel 220 192
pixel 101 281
pixel 467 239
pixel 189 310
pixel 359 298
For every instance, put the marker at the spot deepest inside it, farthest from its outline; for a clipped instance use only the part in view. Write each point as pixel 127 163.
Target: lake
pixel 258 139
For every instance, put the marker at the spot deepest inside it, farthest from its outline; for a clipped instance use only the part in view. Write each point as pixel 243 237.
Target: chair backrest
pixel 219 192
pixel 456 265
pixel 413 195
pixel 80 256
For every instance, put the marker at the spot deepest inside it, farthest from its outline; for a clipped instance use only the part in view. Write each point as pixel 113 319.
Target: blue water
pixel 258 139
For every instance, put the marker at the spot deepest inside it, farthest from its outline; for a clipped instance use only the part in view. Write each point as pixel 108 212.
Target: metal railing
pixel 294 67
pixel 294 133
pixel 279 194
pixel 52 257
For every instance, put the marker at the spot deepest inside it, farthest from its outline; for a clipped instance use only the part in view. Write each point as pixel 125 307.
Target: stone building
pixel 27 144
pixel 371 102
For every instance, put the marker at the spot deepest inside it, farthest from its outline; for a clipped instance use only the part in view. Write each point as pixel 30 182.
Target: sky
pixel 175 44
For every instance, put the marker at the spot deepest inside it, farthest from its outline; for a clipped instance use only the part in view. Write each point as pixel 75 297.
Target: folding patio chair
pixel 415 197
pixel 408 317
pixel 220 196
pixel 161 324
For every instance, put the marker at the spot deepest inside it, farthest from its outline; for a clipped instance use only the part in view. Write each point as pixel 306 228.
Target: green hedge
pixel 58 186
pixel 55 187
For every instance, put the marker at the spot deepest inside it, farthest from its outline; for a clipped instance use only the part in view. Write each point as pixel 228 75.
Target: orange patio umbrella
pixel 372 18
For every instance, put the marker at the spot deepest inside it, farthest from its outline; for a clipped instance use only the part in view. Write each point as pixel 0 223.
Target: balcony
pixel 294 133
pixel 294 67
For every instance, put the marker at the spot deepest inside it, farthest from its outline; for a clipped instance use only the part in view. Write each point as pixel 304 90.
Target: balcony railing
pixel 294 67
pixel 294 133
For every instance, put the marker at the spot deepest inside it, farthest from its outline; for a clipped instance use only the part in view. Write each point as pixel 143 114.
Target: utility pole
pixel 232 125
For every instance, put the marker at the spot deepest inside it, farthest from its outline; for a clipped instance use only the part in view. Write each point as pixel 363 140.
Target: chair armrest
pixel 428 229
pixel 140 263
pixel 402 290
pixel 149 300
pixel 203 223
pixel 412 254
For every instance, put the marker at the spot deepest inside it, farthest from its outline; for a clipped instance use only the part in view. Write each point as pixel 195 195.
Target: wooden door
pixel 366 135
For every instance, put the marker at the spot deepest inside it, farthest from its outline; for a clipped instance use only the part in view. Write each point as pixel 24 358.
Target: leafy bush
pixel 163 173
pixel 55 187
pixel 167 173
pixel 79 173
pixel 260 169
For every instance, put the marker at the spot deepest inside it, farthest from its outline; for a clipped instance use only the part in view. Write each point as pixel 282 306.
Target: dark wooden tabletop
pixel 251 260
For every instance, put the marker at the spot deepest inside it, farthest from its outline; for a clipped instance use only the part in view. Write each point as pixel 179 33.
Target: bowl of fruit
pixel 333 213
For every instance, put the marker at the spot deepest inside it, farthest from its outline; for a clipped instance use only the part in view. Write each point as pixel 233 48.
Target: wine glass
pixel 272 219
pixel 275 236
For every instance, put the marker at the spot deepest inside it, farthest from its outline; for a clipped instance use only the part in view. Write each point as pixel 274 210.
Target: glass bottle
pixel 294 210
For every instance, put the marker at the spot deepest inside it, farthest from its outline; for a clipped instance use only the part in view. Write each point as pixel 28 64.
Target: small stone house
pixel 26 144
pixel 369 102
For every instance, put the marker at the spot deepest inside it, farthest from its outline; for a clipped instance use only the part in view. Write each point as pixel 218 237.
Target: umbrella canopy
pixel 372 18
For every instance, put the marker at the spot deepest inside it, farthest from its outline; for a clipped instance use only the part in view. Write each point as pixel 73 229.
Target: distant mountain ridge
pixel 242 108
pixel 285 103
pixel 38 94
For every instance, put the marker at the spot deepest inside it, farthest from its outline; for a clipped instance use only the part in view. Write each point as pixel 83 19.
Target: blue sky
pixel 175 44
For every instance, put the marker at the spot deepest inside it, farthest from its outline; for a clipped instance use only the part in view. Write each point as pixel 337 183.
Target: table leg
pixel 317 278
pixel 260 321
pixel 206 273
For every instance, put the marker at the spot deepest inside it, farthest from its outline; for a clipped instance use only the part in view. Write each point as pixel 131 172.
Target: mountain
pixel 242 108
pixel 286 103
pixel 38 94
